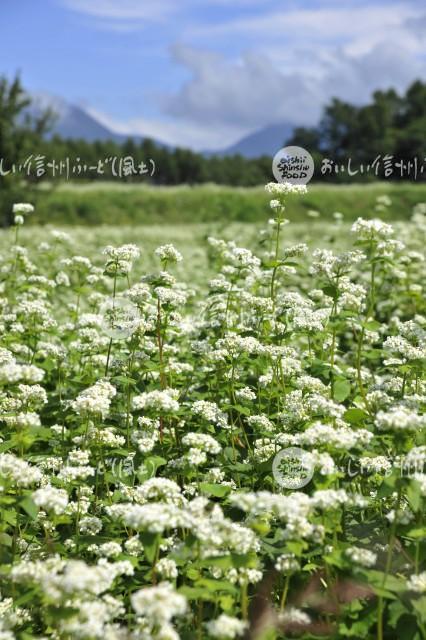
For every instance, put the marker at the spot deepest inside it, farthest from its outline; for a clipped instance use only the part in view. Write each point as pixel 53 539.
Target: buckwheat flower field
pixel 149 399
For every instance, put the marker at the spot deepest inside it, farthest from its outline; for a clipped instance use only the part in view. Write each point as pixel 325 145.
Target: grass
pixel 117 203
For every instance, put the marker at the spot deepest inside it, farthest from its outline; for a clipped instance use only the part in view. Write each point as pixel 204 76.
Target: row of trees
pixel 19 136
pixel 391 126
pixel 132 160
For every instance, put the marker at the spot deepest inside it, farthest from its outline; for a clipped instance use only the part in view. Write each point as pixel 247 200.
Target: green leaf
pixel 28 596
pixel 192 573
pixel 216 585
pixel 414 495
pixel 150 543
pixel 41 433
pixel 420 607
pixel 244 560
pixel 125 380
pixel 384 584
pixel 217 490
pixel 195 593
pixel 226 602
pixel 372 325
pixel 396 610
pixel 6 540
pixel 5 446
pixel 61 613
pixel 9 516
pixel 388 485
pixel 331 290
pixel 373 354
pixel 245 411
pixel 341 390
pixel 355 416
pixel 297 546
pixel 360 628
pixel 149 467
pixel 335 559
pixel 419 532
pixel 29 506
pixel 224 562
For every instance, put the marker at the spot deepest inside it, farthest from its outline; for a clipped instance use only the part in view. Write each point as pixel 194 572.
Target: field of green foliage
pixel 112 203
pixel 214 430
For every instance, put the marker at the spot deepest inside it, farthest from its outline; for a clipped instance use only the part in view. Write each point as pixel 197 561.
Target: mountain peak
pixel 266 141
pixel 74 122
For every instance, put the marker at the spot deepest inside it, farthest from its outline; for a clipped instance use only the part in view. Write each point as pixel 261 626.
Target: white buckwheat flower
pixel 159 604
pixel 161 401
pixel 51 499
pixel 363 557
pixel 168 253
pixel 23 208
pixel 95 399
pixel 417 583
pixel 226 627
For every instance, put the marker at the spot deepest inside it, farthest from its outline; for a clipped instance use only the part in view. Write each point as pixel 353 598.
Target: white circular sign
pixel 120 318
pixel 293 164
pixel 293 468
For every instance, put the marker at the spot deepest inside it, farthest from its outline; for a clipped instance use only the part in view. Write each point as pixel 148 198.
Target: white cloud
pixel 122 10
pixel 246 93
pixel 323 23
pixel 126 15
pixel 135 9
pixel 254 91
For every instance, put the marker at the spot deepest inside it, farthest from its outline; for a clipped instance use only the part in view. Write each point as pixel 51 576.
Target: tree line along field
pixel 112 203
pixel 217 430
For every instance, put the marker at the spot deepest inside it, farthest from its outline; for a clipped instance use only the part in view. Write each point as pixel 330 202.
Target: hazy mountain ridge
pixel 72 121
pixel 264 142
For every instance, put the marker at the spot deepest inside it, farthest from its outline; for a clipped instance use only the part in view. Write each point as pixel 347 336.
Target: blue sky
pixel 203 73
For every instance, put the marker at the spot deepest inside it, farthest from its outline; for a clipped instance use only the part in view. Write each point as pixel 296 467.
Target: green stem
pixel 277 251
pixel 285 592
pixel 244 601
pixel 392 540
pixel 110 342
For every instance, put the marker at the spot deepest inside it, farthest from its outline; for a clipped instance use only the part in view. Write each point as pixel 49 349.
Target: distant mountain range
pixel 74 122
pixel 264 142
